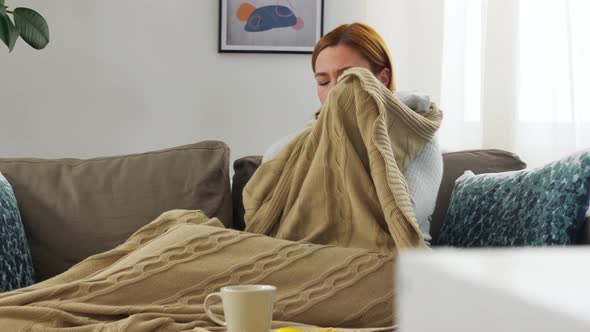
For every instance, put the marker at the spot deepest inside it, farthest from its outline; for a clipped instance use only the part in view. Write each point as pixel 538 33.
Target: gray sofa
pixel 74 208
pixel 455 163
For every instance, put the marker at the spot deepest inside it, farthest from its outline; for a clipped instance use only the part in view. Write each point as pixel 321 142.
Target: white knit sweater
pixel 423 174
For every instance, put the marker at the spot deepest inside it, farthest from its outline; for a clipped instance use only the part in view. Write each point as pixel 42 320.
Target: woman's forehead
pixel 339 57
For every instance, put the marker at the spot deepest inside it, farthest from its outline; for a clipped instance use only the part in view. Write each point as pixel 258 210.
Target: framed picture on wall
pixel 270 26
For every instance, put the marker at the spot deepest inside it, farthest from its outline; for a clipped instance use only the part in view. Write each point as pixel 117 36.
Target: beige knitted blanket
pixel 337 185
pixel 340 181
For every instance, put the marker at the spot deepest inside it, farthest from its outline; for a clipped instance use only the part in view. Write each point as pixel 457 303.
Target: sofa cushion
pixel 74 208
pixel 477 161
pixel 16 266
pixel 538 207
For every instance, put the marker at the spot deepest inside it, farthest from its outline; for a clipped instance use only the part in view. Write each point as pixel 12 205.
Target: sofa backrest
pixel 244 168
pixel 455 163
pixel 73 208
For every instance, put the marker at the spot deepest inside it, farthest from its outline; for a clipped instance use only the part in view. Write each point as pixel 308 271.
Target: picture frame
pixel 270 26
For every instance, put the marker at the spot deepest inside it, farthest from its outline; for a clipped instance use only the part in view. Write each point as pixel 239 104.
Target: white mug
pixel 247 308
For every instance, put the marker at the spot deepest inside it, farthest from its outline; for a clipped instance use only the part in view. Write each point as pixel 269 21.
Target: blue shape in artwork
pixel 270 17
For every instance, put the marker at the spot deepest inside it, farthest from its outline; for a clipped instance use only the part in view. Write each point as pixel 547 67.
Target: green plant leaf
pixel 8 32
pixel 32 27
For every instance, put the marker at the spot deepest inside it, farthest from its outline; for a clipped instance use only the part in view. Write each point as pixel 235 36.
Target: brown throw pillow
pixel 73 208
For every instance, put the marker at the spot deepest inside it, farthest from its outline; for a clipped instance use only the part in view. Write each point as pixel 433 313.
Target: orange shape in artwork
pixel 244 11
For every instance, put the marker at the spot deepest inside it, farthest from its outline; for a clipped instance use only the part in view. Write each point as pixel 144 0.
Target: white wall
pixel 426 22
pixel 136 75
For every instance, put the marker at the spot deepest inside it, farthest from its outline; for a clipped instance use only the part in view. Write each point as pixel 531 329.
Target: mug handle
pixel 210 313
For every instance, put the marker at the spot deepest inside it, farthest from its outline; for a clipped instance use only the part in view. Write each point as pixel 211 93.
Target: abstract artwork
pixel 270 26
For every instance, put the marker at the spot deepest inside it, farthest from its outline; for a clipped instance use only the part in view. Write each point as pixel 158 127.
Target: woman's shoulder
pixel 418 101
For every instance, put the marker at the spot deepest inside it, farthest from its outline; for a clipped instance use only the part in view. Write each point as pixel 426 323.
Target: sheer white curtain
pixel 554 78
pixel 514 74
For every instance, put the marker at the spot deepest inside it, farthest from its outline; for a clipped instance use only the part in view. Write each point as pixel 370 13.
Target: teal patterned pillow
pixel 543 206
pixel 16 264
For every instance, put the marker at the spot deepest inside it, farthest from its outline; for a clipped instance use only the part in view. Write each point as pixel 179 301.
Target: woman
pixel 359 45
pixel 325 219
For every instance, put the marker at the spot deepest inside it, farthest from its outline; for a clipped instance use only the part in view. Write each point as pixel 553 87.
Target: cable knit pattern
pixel 158 279
pixel 348 167
pixel 423 174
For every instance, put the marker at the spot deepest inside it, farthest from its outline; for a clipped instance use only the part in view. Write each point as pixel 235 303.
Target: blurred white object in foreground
pixel 541 289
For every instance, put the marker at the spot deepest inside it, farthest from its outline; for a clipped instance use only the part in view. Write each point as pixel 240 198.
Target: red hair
pixel 363 38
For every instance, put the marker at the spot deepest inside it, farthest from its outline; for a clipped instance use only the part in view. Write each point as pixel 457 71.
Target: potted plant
pixel 26 23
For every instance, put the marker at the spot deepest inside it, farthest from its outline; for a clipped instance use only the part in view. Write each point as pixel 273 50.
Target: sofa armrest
pixel 585 234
